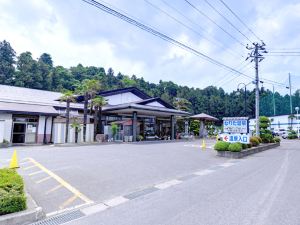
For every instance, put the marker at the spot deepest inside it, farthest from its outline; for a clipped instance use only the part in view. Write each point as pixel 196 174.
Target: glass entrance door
pixel 24 129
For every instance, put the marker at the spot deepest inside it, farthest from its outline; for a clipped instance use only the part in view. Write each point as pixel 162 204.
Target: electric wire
pixel 211 20
pixel 239 19
pixel 227 20
pixel 188 27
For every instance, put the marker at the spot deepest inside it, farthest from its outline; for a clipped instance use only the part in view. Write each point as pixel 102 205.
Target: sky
pixel 74 32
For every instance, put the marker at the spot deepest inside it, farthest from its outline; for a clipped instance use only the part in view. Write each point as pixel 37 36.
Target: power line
pixel 184 25
pixel 159 34
pixel 227 20
pixel 216 42
pixel 236 16
pixel 284 52
pixel 162 36
pixel 211 20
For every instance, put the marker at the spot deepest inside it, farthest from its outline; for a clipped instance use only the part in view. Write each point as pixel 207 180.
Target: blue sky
pixel 74 32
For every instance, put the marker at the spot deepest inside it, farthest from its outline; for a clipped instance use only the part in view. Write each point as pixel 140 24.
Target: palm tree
pixel 68 97
pixel 98 102
pixel 88 88
pixel 76 125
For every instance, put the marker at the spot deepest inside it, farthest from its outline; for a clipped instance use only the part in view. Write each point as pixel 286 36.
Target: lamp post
pixel 245 95
pixel 297 110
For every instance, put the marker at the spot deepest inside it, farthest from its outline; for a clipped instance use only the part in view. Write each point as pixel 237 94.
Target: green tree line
pixel 24 71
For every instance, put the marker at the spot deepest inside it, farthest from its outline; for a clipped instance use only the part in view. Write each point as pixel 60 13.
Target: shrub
pixel 244 146
pixel 249 145
pixel 277 140
pixel 267 138
pixel 292 135
pixel 254 141
pixel 12 197
pixel 221 146
pixel 235 147
pixel 259 139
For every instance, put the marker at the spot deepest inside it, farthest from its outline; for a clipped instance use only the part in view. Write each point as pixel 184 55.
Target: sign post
pixel 236 129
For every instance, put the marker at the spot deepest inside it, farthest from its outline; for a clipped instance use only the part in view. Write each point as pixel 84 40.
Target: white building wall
pixel 157 104
pixel 5 131
pixel 122 98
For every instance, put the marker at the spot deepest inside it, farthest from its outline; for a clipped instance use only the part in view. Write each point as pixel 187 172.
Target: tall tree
pixel 88 88
pixel 7 62
pixel 45 67
pixel 98 102
pixel 68 97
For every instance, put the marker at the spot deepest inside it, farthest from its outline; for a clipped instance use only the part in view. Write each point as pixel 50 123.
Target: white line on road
pixel 228 164
pixel 203 172
pixel 167 184
pixel 116 201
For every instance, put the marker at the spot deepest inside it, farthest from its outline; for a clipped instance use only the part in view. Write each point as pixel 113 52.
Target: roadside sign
pixel 242 138
pixel 235 125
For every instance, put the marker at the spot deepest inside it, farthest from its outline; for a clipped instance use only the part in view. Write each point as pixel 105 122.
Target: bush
pixel 235 147
pixel 249 145
pixel 12 196
pixel 244 146
pixel 221 146
pixel 267 138
pixel 277 140
pixel 292 135
pixel 259 139
pixel 254 141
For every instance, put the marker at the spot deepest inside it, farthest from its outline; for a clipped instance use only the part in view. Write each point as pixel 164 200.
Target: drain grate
pixel 60 219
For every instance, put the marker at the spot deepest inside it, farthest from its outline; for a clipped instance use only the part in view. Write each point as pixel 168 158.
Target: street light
pixel 297 110
pixel 245 95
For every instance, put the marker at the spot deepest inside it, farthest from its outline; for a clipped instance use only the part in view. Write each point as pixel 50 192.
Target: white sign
pixel 235 125
pixel 242 138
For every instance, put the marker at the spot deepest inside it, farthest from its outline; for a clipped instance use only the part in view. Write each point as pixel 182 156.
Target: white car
pixel 279 132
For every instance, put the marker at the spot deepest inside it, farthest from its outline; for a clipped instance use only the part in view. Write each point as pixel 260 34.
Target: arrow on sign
pixel 226 138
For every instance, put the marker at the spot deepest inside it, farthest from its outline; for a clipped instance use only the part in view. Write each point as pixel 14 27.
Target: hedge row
pixel 12 196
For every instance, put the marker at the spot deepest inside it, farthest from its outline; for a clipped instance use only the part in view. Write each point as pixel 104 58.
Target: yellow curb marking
pixel 53 189
pixel 62 182
pixel 34 173
pixel 42 180
pixel 29 167
pixel 68 202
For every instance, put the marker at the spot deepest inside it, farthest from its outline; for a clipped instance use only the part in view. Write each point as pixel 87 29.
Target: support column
pixel 172 119
pixel 134 126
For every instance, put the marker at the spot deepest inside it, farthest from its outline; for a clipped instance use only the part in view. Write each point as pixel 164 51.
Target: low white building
pixel 34 116
pixel 280 122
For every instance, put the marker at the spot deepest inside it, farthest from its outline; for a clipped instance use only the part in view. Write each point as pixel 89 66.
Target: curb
pixel 32 214
pixel 244 153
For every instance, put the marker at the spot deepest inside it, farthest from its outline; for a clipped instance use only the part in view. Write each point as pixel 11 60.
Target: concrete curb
pixel 32 214
pixel 246 152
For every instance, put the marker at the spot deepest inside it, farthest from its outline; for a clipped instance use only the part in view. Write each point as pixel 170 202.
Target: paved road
pixel 59 178
pixel 263 189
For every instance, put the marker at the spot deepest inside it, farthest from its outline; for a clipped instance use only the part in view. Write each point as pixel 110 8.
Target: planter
pixel 246 152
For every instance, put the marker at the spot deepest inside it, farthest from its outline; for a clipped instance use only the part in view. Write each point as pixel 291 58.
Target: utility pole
pixel 290 87
pixel 274 106
pixel 256 54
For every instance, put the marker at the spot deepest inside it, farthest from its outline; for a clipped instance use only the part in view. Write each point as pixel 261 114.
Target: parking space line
pixel 62 182
pixel 203 172
pixel 29 167
pixel 37 172
pixel 53 189
pixel 68 201
pixel 42 180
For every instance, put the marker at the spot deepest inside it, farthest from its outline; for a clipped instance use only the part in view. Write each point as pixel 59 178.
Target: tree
pixel 98 102
pixel 76 125
pixel 7 62
pixel 45 67
pixel 68 97
pixel 182 104
pixel 88 88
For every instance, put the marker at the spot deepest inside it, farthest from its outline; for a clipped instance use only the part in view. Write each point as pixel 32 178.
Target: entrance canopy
pixel 144 110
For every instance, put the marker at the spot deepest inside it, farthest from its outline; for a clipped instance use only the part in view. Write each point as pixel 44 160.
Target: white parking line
pixel 228 164
pixel 167 184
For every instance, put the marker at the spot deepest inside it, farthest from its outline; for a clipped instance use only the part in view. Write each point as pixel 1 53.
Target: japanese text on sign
pixel 242 138
pixel 237 125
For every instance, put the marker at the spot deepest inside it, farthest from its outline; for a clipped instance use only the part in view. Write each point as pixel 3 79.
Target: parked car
pixel 285 135
pixel 279 132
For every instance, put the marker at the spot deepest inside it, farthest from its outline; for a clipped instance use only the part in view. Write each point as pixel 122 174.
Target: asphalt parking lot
pixel 60 178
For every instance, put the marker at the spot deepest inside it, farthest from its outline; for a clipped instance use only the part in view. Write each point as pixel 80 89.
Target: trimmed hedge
pixel 277 139
pixel 12 196
pixel 221 146
pixel 254 141
pixel 235 147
